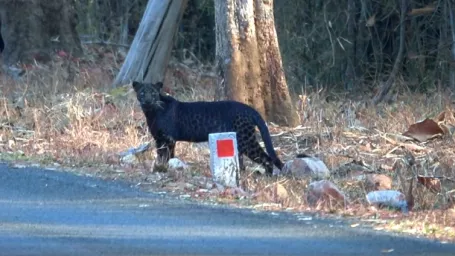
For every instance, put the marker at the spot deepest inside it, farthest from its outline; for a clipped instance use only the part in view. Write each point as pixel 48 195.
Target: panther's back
pixel 197 119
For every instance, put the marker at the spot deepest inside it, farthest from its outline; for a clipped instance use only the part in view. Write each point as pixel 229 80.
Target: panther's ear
pixel 136 85
pixel 159 85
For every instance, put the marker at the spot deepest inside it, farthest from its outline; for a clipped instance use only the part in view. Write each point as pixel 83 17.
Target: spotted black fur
pixel 170 120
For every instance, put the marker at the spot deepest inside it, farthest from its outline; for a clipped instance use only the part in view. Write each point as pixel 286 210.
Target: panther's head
pixel 148 94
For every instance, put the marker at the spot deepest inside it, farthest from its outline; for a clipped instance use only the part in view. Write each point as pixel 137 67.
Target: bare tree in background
pixel 451 7
pixel 149 54
pixel 249 59
pixel 32 30
pixel 387 85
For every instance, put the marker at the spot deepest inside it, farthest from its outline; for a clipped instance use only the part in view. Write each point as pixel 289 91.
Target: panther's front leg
pixel 165 147
pixel 171 147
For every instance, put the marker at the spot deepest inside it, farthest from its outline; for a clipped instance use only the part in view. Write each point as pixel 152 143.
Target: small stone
pixel 377 182
pixel 281 192
pixel 325 192
pixel 390 198
pixel 307 166
pixel 190 186
pixel 128 159
pixel 210 185
pixel 177 164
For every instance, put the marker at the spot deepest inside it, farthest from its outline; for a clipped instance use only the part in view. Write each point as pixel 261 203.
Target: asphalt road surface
pixel 46 212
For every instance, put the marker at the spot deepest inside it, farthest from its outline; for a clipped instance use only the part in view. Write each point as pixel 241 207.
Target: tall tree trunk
pixel 33 30
pixel 149 54
pixel 249 59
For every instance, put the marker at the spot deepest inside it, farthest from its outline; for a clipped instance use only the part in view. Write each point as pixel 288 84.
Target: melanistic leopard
pixel 170 120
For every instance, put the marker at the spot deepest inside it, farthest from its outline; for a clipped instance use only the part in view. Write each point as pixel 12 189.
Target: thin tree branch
pixel 385 88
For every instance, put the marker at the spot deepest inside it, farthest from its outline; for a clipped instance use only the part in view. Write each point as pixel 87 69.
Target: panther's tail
pixel 265 134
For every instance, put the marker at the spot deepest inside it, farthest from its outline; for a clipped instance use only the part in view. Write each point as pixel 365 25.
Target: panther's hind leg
pixel 249 146
pixel 258 155
pixel 243 134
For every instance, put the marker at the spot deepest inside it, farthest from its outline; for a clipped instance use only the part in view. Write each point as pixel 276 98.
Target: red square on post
pixel 225 148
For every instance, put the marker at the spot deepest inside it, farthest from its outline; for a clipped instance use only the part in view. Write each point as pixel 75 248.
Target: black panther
pixel 170 120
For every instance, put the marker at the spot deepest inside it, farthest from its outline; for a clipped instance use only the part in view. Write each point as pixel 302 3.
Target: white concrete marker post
pixel 224 158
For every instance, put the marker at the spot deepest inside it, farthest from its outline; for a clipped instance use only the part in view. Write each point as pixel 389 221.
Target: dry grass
pixel 68 115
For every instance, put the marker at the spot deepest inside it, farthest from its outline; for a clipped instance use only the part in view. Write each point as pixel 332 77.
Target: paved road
pixel 46 212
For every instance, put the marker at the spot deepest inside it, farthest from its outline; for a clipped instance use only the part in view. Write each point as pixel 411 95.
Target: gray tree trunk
pixel 149 54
